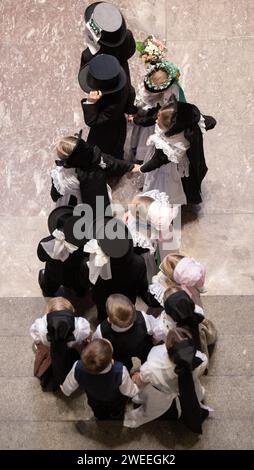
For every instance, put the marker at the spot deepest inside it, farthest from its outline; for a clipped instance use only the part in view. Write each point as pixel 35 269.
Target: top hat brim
pixel 82 78
pixel 56 215
pixel 88 13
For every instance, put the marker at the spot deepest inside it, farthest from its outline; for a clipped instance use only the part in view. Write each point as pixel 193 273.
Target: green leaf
pixel 139 46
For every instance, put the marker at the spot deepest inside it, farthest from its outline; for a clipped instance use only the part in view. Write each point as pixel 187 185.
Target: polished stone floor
pixel 212 43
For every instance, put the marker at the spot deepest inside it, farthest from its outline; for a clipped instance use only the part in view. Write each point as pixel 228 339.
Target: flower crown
pixel 171 69
pixel 151 49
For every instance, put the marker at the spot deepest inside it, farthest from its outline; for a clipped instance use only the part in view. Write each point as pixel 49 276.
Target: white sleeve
pixel 70 384
pixel 145 373
pixel 97 334
pixel 199 309
pixel 154 327
pixel 127 387
pixel 38 330
pixel 82 329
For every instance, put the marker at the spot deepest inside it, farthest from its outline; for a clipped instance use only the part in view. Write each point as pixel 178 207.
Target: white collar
pixel 118 329
pixel 107 369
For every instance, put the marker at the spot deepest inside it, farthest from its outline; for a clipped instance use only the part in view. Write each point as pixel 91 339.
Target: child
pixel 149 220
pixel 108 98
pixel 175 163
pixel 180 310
pixel 106 382
pixel 130 332
pixel 170 383
pixel 58 337
pixel 114 267
pixel 179 270
pixel 81 173
pixel 160 82
pixel 62 253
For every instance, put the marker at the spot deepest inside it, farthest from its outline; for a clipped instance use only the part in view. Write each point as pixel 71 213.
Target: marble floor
pixel 212 43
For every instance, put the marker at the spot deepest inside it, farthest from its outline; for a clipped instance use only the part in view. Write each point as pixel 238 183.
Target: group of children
pixel 173 339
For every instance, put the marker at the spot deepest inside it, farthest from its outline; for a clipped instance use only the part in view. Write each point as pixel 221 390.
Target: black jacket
pixel 128 278
pixel 107 121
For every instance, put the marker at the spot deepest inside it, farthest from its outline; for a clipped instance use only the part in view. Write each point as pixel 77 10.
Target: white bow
pixel 99 263
pixel 59 248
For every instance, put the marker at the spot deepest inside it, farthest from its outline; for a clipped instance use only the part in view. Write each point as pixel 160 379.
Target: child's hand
pixel 131 118
pixel 126 217
pixel 94 96
pixel 136 168
pixel 61 388
pixel 136 379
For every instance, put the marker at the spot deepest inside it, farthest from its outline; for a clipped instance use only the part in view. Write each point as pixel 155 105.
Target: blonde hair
pixel 158 77
pixel 167 267
pixel 171 290
pixel 56 304
pixel 66 146
pixel 139 207
pixel 176 335
pixel 121 311
pixel 97 355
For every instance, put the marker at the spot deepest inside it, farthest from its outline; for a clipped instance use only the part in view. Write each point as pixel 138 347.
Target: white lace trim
pixel 146 100
pixel 157 290
pixel 65 180
pixel 158 196
pixel 140 239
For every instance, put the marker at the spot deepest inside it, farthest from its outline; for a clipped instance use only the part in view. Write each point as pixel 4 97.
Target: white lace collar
pixel 65 180
pixel 146 100
pixel 139 239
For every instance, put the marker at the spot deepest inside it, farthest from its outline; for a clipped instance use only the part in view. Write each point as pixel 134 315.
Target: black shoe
pixel 82 427
pixel 41 280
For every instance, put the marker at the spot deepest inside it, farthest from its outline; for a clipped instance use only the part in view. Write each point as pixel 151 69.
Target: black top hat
pixel 81 156
pixel 112 236
pixel 108 21
pixel 103 73
pixel 62 218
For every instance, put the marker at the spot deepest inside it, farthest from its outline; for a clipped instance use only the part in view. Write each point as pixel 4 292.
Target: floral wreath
pixel 151 49
pixel 170 68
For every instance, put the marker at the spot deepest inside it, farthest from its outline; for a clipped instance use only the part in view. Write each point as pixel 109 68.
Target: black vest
pixel 134 342
pixel 100 387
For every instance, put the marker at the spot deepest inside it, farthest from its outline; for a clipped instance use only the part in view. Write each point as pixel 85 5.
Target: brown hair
pixel 165 116
pixel 97 355
pixel 176 335
pixel 167 267
pixel 158 77
pixel 121 311
pixel 172 289
pixel 56 304
pixel 66 146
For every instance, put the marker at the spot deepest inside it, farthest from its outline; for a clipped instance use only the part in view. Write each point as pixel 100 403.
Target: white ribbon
pixel 59 248
pixel 92 39
pixel 99 263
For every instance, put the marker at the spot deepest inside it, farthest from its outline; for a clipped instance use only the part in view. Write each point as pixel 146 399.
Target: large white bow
pixel 99 263
pixel 59 248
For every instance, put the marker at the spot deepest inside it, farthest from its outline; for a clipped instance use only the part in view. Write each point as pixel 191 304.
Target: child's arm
pixel 55 195
pixel 97 334
pixel 96 115
pixel 157 160
pixel 115 167
pixel 70 384
pixel 127 387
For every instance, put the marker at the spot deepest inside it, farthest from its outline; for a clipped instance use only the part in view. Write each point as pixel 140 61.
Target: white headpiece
pixel 189 272
pixel 99 263
pixel 58 248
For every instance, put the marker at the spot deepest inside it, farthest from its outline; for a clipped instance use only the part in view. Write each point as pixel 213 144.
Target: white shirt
pixel 154 328
pixel 127 387
pixel 39 331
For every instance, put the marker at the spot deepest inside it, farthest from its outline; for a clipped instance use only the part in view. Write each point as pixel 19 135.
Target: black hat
pixel 106 20
pixel 181 308
pixel 103 73
pixel 112 236
pixel 62 218
pixel 81 156
pixel 185 116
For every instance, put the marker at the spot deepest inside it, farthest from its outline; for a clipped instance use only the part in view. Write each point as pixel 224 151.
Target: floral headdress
pixel 151 49
pixel 171 70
